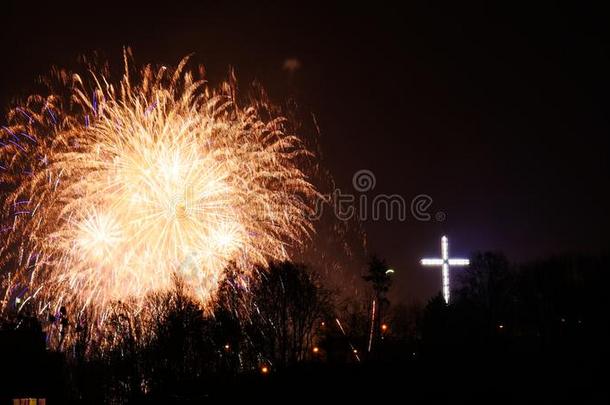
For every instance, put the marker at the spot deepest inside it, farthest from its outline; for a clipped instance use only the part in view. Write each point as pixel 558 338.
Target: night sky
pixel 499 114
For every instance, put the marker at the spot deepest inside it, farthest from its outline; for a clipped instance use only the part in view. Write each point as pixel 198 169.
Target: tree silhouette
pixel 487 289
pixel 274 317
pixel 289 303
pixel 380 281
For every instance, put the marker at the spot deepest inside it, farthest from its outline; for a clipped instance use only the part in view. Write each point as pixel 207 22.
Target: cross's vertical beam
pixel 445 270
pixel 446 282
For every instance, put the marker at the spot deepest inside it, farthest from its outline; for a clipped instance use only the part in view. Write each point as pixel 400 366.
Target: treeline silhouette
pixel 513 333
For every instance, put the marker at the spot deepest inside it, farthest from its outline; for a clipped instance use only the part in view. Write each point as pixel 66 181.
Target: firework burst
pixel 116 187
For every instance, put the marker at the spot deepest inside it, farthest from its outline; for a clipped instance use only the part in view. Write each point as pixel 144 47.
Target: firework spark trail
pixel 115 187
pixel 354 350
pixel 373 313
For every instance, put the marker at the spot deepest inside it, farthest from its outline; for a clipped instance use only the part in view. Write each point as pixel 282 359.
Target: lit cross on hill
pixel 445 262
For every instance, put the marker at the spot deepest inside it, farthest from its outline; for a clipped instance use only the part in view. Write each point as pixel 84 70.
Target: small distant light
pixel 227 347
pixel 316 349
pixel 563 319
pixel 323 323
pixel 265 370
pixel 501 326
pixel 384 327
pixel 355 351
pixel 389 272
pixel 292 65
pixel 17 300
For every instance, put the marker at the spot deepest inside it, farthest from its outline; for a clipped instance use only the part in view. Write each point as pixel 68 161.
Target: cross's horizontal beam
pixel 432 262
pixel 439 262
pixel 459 262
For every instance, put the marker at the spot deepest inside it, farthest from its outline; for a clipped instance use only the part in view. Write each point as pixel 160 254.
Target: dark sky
pixel 499 114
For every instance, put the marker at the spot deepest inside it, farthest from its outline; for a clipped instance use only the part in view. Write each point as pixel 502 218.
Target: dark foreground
pixel 534 334
pixel 461 374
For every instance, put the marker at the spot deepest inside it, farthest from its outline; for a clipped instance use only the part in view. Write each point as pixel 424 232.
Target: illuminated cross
pixel 445 262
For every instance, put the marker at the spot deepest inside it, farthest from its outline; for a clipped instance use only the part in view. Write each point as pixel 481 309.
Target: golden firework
pixel 114 188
